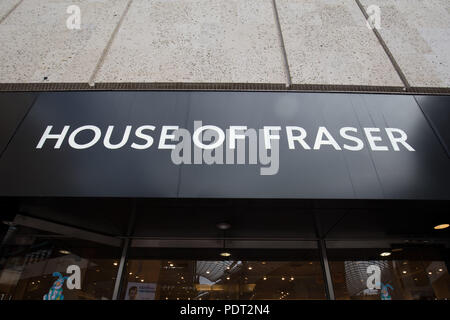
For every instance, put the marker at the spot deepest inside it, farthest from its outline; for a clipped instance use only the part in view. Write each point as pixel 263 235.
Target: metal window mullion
pixel 329 289
pixel 124 257
pixel 326 270
pixel 121 269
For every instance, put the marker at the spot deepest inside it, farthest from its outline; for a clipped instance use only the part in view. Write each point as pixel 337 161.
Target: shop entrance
pixel 203 274
pixel 158 249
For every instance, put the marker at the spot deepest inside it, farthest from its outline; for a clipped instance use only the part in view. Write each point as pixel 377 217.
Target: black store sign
pixel 224 144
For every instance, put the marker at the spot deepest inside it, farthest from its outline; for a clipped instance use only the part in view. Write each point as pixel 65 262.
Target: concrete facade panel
pixel 328 42
pixel 37 46
pixel 418 35
pixel 196 41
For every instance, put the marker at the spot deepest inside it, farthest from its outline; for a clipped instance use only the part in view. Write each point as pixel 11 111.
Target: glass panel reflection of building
pixel 228 279
pixel 408 279
pixel 30 259
pixel 356 276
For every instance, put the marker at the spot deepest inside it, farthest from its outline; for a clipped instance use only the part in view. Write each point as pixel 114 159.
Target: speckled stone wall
pixel 418 34
pixel 196 41
pixel 299 42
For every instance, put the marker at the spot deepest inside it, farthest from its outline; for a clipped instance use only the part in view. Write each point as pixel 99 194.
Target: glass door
pixel 209 274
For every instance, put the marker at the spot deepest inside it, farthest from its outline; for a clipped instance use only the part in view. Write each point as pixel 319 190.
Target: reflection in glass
pixel 228 279
pixel 33 261
pixel 411 275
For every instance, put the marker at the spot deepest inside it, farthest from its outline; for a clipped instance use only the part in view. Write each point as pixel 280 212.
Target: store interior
pixel 237 249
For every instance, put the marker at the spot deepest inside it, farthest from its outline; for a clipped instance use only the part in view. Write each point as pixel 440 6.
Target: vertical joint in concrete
pixel 10 11
pixel 386 49
pixel 108 45
pixel 282 46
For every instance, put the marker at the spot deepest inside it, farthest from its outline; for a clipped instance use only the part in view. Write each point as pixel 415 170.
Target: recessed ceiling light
pixel 64 252
pixel 115 263
pixel 264 278
pixel 223 226
pixel 250 268
pixel 442 226
pixel 225 254
pixel 208 272
pixel 385 254
pixel 404 272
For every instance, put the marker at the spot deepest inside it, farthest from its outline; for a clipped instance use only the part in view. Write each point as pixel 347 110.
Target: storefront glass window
pixel 390 274
pixel 37 265
pixel 236 279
